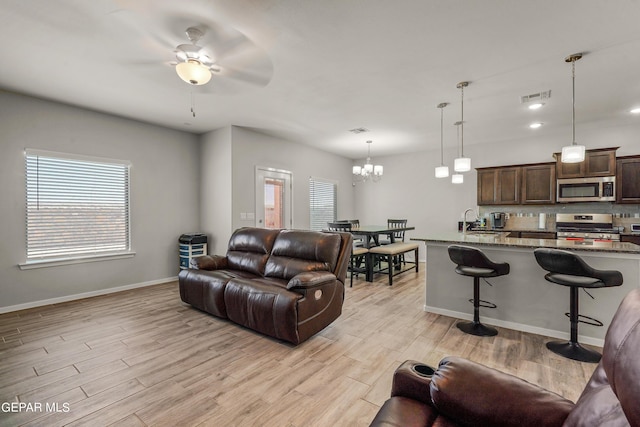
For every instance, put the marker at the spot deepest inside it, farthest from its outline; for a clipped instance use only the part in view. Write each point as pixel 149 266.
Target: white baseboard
pixel 516 326
pixel 83 295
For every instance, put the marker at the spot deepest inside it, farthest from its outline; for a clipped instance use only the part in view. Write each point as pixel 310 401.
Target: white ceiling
pixel 326 66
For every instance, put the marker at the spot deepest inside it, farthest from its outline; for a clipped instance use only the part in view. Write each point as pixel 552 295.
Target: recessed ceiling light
pixel 635 111
pixel 536 106
pixel 535 125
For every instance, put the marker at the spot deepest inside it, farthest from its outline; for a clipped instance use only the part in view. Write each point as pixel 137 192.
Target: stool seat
pixel 577 281
pixel 568 269
pixel 476 271
pixel 474 263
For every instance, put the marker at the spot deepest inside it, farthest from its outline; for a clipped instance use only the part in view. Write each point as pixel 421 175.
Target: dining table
pixel 371 235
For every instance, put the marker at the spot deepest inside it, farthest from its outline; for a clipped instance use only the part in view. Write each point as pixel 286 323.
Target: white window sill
pixel 28 265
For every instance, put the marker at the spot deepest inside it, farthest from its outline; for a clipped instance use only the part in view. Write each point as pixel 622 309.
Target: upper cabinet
pixel 538 184
pixel 499 186
pixel 598 162
pixel 628 179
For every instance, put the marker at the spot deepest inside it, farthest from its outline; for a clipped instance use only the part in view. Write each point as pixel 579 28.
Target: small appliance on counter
pixel 635 228
pixel 498 219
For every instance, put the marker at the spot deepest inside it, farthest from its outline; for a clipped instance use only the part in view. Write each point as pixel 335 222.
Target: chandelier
pixel 368 171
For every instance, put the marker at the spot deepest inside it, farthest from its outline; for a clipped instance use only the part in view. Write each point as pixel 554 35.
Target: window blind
pixel 76 206
pixel 322 202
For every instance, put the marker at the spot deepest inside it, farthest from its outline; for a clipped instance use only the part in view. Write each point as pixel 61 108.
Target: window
pixel 322 202
pixel 77 207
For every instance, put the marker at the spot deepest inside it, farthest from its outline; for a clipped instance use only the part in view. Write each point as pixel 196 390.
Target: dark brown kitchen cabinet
pixel 499 186
pixel 598 162
pixel 538 184
pixel 537 235
pixel 532 234
pixel 630 239
pixel 628 179
pixel 486 186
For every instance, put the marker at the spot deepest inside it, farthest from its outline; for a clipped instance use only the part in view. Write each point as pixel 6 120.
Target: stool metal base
pixel 477 328
pixel 573 350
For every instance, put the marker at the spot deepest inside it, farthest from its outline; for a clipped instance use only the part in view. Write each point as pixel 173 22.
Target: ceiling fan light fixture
pixel 193 72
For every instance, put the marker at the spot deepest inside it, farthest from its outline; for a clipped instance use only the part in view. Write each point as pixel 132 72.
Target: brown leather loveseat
pixel 288 284
pixel 463 393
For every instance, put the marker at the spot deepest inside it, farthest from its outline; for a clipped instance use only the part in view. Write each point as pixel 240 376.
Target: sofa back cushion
pixel 612 394
pixel 249 249
pixel 296 251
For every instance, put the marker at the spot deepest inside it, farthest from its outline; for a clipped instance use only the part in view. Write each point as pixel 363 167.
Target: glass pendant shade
pixel 193 72
pixel 357 170
pixel 377 170
pixel 368 167
pixel 442 171
pixel 457 178
pixel 462 164
pixel 573 153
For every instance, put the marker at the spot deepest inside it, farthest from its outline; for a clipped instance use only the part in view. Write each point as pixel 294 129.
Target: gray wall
pixel 164 196
pixel 228 160
pixel 215 188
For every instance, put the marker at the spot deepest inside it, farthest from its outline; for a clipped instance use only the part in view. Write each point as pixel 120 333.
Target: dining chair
pixel 358 262
pixel 398 236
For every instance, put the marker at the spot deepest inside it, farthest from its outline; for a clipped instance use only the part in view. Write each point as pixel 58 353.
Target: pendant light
pixel 573 153
pixel 462 163
pixel 457 178
pixel 442 171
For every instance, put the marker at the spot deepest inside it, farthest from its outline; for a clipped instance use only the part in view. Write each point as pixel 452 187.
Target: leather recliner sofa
pixel 464 393
pixel 288 284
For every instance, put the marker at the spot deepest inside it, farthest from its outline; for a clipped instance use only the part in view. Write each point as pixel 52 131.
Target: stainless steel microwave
pixel 595 189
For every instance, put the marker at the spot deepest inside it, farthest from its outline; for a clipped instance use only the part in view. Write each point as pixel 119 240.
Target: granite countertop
pixel 493 238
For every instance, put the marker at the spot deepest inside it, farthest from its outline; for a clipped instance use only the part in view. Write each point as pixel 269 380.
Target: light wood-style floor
pixel 142 357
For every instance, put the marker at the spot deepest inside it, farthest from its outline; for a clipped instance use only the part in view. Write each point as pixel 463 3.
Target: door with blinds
pixel 273 198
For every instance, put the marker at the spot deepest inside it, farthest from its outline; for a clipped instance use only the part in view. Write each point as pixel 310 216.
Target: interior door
pixel 273 198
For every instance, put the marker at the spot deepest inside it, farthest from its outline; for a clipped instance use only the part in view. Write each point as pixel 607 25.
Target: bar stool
pixel 567 269
pixel 473 262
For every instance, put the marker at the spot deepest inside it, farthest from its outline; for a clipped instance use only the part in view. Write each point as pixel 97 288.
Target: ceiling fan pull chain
pixel 193 106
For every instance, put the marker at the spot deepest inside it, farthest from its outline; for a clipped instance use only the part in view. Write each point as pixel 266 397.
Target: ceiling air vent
pixel 359 130
pixel 535 97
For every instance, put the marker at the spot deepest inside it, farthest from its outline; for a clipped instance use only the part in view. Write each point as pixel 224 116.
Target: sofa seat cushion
pixel 259 305
pixel 204 289
pixel 404 412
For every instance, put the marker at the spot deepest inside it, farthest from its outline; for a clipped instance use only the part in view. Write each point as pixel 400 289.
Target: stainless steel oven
pixel 595 189
pixel 586 228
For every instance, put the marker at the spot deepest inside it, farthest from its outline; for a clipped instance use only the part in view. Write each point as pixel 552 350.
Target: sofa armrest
pixel 209 262
pixel 311 279
pixel 408 382
pixel 473 394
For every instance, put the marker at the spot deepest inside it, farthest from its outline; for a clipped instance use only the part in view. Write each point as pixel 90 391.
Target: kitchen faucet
pixel 464 220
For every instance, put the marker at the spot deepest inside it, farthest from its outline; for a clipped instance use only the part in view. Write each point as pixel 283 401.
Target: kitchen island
pixel 525 300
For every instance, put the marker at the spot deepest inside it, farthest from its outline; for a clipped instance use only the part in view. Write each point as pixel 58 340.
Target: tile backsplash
pixel 527 217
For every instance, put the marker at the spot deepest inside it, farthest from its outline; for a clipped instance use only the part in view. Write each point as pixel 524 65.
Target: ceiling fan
pixel 195 64
pixel 214 47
